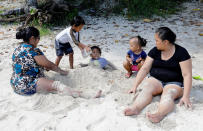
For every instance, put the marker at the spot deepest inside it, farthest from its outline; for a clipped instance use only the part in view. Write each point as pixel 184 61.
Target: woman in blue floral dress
pixel 28 66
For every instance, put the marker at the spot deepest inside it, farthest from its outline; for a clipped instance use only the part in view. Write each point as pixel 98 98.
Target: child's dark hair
pixel 96 47
pixel 27 33
pixel 77 21
pixel 141 41
pixel 165 33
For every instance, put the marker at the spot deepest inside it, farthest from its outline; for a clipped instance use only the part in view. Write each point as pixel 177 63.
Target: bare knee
pixel 171 92
pixel 126 64
pixel 44 84
pixel 167 97
pixel 152 87
pixel 147 89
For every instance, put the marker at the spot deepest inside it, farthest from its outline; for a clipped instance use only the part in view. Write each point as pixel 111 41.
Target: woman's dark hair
pixel 77 21
pixel 27 33
pixel 165 33
pixel 96 47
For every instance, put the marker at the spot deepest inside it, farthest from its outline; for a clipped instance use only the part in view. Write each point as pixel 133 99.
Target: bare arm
pixel 73 38
pixel 129 59
pixel 142 73
pixel 77 42
pixel 44 62
pixel 186 68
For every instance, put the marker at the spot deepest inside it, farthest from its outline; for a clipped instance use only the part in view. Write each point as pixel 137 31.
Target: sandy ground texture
pixel 50 112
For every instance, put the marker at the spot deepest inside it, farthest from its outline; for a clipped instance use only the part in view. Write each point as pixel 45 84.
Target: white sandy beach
pixel 53 112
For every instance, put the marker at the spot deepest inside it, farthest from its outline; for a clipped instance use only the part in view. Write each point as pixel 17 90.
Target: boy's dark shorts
pixel 64 48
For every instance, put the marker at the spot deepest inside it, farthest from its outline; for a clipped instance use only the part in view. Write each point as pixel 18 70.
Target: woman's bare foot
pixel 155 118
pixel 98 94
pixel 131 111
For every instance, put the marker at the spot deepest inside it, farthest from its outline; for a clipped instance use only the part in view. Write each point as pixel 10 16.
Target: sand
pixel 50 112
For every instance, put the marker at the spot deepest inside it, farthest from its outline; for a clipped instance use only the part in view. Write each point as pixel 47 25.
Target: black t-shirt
pixel 168 70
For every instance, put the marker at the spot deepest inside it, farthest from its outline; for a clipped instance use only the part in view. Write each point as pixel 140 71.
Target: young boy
pixel 68 38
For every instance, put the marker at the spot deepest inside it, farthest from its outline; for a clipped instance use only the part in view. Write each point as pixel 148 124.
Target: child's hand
pixel 87 48
pixel 130 60
pixel 139 59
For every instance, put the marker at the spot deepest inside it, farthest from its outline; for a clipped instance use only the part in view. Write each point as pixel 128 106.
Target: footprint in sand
pixel 3 117
pixel 20 120
pixel 166 124
pixel 39 103
pixel 197 94
pixel 91 126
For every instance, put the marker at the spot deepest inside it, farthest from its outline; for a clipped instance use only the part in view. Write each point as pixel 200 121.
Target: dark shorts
pixel 180 84
pixel 65 48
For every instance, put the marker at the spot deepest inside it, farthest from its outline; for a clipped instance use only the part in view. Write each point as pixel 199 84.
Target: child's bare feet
pixel 128 75
pixel 131 111
pixel 155 118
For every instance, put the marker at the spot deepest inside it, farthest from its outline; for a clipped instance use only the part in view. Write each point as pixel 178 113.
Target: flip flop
pixel 128 75
pixel 197 78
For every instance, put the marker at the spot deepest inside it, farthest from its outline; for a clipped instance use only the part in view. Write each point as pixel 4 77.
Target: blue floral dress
pixel 26 71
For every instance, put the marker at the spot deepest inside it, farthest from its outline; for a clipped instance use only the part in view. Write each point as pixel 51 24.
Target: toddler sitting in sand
pixel 135 56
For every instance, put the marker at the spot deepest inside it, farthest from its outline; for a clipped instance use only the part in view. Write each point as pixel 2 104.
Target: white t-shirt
pixel 68 36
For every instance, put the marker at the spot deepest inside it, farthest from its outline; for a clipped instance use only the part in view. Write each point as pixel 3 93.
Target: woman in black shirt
pixel 170 69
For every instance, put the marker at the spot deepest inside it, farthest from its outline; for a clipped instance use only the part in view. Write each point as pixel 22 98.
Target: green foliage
pixel 90 4
pixel 44 30
pixel 147 8
pixel 58 20
pixel 1 11
pixel 138 8
pixel 65 18
pixel 33 11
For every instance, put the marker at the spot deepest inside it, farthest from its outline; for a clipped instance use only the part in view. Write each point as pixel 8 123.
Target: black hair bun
pixel 142 41
pixel 21 34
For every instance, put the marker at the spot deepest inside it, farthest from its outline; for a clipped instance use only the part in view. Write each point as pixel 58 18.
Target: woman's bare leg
pixel 139 66
pixel 170 93
pixel 151 88
pixel 45 85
